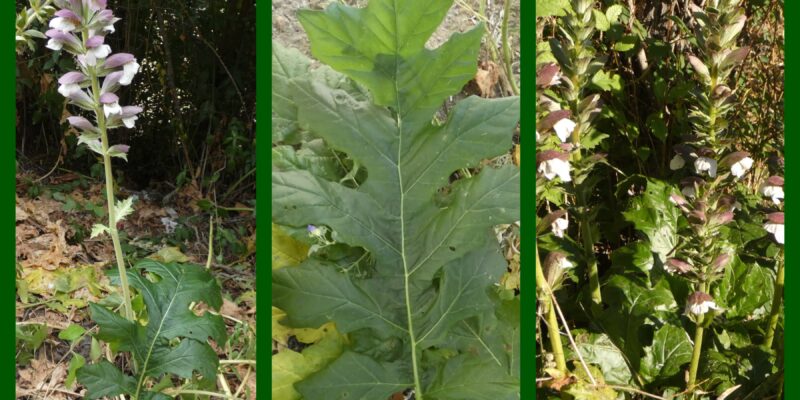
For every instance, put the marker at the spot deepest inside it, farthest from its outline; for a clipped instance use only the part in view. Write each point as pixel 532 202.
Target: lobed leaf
pixel 435 256
pixel 169 317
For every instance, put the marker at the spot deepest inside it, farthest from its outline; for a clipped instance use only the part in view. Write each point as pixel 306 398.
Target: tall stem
pixel 698 347
pixel 552 320
pixel 112 225
pixel 776 306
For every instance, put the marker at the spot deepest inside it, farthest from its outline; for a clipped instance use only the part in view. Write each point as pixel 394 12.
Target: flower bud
pixel 676 266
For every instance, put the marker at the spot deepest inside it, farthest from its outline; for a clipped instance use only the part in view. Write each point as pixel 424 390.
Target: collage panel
pixel 135 199
pixel 659 199
pixel 395 200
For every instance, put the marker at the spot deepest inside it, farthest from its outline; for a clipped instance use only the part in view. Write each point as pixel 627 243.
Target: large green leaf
pixel 671 349
pixel 431 239
pixel 105 379
pixel 632 304
pixel 175 339
pixel 654 215
pixel 599 349
pixel 745 291
pixel 358 377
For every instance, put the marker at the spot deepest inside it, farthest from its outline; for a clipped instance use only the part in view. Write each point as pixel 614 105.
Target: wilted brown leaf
pixel 487 77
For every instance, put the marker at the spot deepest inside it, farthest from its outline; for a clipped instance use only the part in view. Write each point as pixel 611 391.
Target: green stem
pixel 507 48
pixel 552 322
pixel 698 346
pixel 776 306
pixel 594 276
pixel 112 225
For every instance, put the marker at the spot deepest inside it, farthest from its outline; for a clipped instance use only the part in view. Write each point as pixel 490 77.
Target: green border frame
pixel 8 164
pixel 263 186
pixel 528 194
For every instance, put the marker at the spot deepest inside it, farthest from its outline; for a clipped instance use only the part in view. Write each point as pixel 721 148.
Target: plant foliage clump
pixel 423 315
pixel 174 340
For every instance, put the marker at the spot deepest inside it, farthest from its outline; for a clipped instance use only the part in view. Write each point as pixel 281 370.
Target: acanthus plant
pixel 566 159
pixel 420 315
pixel 711 168
pixel 174 340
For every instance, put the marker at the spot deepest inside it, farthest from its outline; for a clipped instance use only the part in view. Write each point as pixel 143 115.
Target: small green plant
pixel 419 306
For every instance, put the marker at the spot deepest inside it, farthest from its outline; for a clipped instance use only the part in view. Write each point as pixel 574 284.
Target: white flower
pixel 703 164
pixel 700 303
pixel 702 308
pixel 677 162
pixel 564 128
pixel 128 71
pixel 688 191
pixel 773 188
pixel 129 122
pixel 564 263
pixel 62 24
pixel 774 225
pixel 555 167
pixel 111 108
pixel 559 226
pixel 776 230
pixel 740 167
pixel 94 54
pixel 55 45
pixel 775 192
pixel 68 89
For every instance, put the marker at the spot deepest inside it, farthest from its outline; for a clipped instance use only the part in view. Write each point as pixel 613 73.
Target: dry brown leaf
pixel 487 77
pixel 230 309
pixel 49 249
pixel 42 374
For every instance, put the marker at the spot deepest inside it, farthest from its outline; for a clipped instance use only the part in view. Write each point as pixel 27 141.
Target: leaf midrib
pixel 406 276
pixel 155 337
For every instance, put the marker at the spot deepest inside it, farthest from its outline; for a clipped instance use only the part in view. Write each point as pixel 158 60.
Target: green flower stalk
pixel 79 27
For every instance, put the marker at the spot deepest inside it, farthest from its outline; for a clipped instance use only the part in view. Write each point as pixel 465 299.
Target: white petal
pixel 559 226
pixel 565 264
pixel 62 24
pixel 54 45
pixel 555 167
pixel 128 71
pixel 776 230
pixel 129 122
pixel 113 108
pixel 779 235
pixel 688 191
pixel 564 129
pixel 101 51
pixel 68 89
